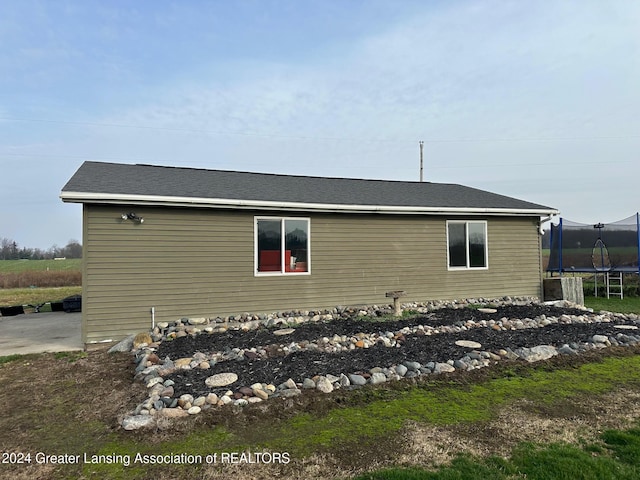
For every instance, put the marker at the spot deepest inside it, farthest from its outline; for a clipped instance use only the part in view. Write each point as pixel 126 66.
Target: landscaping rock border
pixel 221 388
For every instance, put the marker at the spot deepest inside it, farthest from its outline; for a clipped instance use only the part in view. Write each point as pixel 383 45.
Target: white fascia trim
pixel 83 197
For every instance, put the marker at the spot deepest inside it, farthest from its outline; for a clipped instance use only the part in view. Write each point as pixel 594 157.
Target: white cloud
pixel 470 71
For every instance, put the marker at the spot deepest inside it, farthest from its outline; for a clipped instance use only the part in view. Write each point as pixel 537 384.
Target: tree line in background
pixel 10 250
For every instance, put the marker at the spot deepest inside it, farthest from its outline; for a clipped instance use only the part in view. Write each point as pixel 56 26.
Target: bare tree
pixel 9 251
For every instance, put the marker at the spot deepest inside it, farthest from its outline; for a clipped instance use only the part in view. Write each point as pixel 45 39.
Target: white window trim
pixel 486 245
pixel 282 271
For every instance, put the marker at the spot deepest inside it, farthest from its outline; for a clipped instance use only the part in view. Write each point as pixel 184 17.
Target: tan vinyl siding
pixel 200 262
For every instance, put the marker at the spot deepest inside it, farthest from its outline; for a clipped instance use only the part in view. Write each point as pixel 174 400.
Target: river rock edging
pixel 164 402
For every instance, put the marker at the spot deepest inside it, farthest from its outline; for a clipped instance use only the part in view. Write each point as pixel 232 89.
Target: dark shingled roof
pixel 113 180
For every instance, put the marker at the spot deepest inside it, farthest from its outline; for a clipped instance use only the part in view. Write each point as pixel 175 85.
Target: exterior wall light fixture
pixel 133 217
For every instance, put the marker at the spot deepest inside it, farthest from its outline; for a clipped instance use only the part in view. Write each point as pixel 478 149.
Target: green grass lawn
pixel 625 305
pixel 370 421
pixel 36 296
pixel 616 456
pixel 18 266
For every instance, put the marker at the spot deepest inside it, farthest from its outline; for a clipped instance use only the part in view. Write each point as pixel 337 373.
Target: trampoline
pixel 610 249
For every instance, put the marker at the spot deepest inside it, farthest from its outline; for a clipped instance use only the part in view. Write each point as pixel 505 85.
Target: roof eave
pixel 155 200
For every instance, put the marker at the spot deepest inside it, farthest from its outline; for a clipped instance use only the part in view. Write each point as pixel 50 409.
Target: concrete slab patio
pixel 40 332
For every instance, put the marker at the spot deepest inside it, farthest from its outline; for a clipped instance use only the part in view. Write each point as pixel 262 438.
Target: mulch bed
pixel 423 349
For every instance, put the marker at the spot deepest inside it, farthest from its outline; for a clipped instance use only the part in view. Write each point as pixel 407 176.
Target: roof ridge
pixel 108 181
pixel 245 172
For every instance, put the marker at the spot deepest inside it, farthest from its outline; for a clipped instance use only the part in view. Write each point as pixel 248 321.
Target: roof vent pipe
pixel 421 160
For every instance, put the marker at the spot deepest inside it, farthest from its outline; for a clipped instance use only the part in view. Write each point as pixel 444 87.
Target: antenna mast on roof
pixel 421 159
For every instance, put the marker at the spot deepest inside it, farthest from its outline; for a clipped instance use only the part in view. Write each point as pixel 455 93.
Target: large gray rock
pixel 414 366
pixel 307 383
pixel 198 321
pixel 356 379
pixel 401 370
pixel 135 422
pixel 377 377
pixel 290 384
pixel 567 350
pixel 468 344
pixel 443 368
pixel 626 327
pixel 324 385
pixel 460 364
pixel 289 392
pixel 332 378
pixel 535 354
pixel 221 379
pixel 284 331
pixel 488 310
pixel 124 345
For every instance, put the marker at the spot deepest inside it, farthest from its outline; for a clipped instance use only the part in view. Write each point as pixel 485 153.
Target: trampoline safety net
pixel 602 247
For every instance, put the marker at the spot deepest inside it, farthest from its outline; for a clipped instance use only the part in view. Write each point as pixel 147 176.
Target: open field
pixel 19 266
pixel 40 273
pixel 36 296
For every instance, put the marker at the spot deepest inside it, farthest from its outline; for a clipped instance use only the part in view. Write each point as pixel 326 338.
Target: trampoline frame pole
pixel 560 249
pixel 602 246
pixel 638 234
pixel 550 248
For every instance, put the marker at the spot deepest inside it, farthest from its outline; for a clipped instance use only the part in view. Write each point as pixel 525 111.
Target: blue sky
pixel 536 100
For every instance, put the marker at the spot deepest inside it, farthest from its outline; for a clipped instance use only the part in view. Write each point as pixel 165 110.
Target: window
pixel 282 245
pixel 467 244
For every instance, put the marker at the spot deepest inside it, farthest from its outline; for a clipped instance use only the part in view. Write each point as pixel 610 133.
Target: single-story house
pixel 170 242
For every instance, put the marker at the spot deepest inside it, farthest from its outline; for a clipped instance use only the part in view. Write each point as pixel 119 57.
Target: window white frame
pixel 283 270
pixel 468 266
